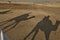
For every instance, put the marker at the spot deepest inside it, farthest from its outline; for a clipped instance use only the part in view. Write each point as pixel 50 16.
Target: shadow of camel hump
pixel 17 20
pixel 44 25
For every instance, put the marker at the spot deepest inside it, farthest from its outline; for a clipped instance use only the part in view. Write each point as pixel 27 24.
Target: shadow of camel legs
pixel 35 34
pixel 4 22
pixel 34 30
pixel 47 34
pixel 11 27
pixel 46 26
pixel 8 26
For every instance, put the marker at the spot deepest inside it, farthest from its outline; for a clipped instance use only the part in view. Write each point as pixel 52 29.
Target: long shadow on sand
pixel 4 12
pixel 17 21
pixel 44 25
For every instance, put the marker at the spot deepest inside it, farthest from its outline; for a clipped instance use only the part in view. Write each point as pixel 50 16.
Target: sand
pixel 23 28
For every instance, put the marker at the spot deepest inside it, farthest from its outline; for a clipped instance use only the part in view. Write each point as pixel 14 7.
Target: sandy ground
pixel 23 28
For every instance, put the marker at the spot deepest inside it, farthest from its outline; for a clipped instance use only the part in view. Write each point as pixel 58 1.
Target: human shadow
pixel 44 25
pixel 17 21
pixel 4 12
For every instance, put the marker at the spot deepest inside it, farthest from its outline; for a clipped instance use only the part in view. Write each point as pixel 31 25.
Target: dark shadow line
pixel 4 12
pixel 4 22
pixel 35 34
pixel 7 26
pixel 11 28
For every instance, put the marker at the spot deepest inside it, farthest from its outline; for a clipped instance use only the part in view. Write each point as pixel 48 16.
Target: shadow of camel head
pixel 26 17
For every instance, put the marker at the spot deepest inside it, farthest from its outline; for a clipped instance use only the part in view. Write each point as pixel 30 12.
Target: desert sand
pixel 23 28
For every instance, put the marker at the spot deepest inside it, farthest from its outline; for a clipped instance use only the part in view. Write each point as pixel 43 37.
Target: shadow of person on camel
pixel 44 25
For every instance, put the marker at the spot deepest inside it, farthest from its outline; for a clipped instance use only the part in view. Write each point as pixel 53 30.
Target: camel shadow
pixel 44 25
pixel 17 21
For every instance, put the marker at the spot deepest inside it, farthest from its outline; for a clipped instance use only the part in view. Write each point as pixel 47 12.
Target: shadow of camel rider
pixel 44 25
